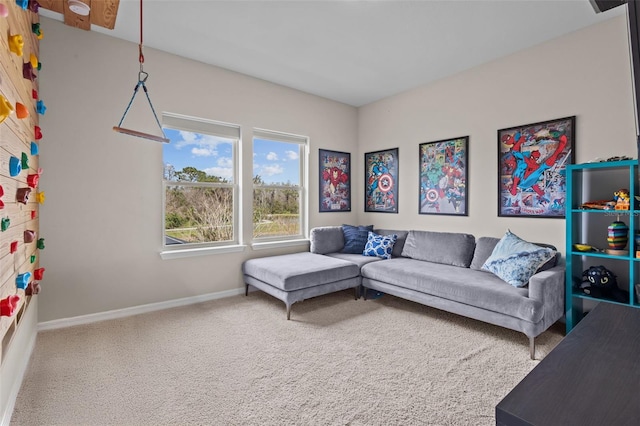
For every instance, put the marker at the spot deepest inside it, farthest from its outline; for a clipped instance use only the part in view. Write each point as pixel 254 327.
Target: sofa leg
pixel 532 347
pixel 288 312
pixel 246 289
pixel 364 293
pixel 357 292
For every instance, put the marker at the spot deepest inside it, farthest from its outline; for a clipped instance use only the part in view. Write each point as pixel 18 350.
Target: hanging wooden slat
pixel 52 5
pixel 140 134
pixel 104 12
pixel 75 20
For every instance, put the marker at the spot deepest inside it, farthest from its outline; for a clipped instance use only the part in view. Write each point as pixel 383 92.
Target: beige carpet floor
pixel 238 361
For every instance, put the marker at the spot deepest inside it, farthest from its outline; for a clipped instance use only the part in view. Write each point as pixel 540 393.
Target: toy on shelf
pixel 5 108
pixel 5 222
pixel 40 197
pixel 22 195
pixel 32 289
pixel 37 132
pixel 29 236
pixel 38 274
pixel 600 282
pixel 40 107
pixel 621 197
pixel 22 280
pixel 15 166
pixel 40 244
pixel 21 111
pixel 13 247
pixel 8 305
pixel 617 238
pixel 16 43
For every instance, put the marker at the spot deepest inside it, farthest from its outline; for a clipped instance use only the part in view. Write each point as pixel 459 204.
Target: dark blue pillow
pixel 355 238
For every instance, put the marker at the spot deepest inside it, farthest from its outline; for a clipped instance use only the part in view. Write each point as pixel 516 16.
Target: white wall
pixel 586 74
pixel 102 219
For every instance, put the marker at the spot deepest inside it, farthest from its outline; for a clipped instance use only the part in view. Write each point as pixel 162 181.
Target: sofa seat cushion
pixel 476 288
pixel 290 272
pixel 358 259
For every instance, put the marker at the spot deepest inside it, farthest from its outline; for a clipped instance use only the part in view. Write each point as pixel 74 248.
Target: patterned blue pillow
pixel 515 260
pixel 355 237
pixel 379 245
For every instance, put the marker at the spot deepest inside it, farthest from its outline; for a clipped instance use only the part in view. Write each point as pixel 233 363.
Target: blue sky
pixel 275 162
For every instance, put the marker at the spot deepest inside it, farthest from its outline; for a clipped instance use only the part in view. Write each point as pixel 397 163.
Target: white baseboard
pixel 16 362
pixel 135 310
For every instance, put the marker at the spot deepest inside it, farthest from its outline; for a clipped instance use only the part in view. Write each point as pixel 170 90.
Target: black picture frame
pixel 443 177
pixel 334 181
pixel 381 181
pixel 532 161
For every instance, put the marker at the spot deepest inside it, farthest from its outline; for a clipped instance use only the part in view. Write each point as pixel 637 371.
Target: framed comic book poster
pixel 443 177
pixel 531 168
pixel 381 181
pixel 335 181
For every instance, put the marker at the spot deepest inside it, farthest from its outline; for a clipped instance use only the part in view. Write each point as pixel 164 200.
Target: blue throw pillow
pixel 379 245
pixel 355 237
pixel 515 261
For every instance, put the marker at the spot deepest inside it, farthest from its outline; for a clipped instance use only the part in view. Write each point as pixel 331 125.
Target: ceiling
pixel 355 52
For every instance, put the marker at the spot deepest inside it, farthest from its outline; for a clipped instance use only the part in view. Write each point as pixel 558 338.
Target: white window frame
pixel 215 128
pixel 303 189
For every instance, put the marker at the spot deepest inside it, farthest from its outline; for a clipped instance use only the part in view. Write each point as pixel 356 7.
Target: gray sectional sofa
pixel 438 269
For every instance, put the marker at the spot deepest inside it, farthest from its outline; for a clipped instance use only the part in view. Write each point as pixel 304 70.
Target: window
pixel 200 183
pixel 279 185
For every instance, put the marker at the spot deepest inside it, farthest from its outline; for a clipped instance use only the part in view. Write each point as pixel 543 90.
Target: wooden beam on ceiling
pixel 103 13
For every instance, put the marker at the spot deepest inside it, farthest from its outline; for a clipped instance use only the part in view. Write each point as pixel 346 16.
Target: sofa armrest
pixel 549 287
pixel 326 239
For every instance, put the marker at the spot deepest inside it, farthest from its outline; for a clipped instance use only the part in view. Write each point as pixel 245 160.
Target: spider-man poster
pixel 381 181
pixel 531 168
pixel 443 177
pixel 335 181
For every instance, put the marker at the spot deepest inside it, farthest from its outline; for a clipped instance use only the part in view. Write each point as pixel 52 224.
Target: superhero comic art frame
pixel 443 177
pixel 381 181
pixel 532 163
pixel 334 181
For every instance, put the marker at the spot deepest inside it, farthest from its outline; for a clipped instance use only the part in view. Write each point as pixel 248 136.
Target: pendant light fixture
pixel 142 78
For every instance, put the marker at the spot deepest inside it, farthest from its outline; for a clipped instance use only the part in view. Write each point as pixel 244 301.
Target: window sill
pixel 278 244
pixel 200 251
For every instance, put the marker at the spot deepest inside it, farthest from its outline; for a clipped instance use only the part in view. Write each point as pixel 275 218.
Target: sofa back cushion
pixel 326 239
pixel 485 246
pixel 355 238
pixel 449 248
pixel 399 245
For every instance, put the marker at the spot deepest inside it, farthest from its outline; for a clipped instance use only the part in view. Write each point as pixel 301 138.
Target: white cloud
pixel 223 172
pixel 272 169
pixel 204 152
pixel 291 155
pixel 272 156
pixel 226 162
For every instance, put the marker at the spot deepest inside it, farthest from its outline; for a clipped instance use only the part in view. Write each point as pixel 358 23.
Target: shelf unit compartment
pixel 595 182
